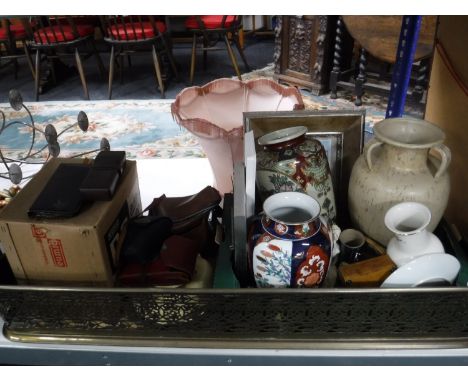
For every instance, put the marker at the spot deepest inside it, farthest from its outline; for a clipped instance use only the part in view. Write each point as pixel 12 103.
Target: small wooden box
pixel 367 273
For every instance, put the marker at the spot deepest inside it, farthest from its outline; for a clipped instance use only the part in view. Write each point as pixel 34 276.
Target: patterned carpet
pixel 374 105
pixel 145 129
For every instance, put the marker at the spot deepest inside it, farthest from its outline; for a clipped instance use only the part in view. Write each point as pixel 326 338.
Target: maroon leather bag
pixel 193 217
pixel 175 265
pixel 194 223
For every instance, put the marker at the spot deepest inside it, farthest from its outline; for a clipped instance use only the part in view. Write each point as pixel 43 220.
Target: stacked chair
pixel 128 35
pixel 13 37
pixel 209 30
pixel 60 36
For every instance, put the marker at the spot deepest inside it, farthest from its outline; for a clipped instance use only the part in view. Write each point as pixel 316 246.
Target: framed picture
pixel 340 131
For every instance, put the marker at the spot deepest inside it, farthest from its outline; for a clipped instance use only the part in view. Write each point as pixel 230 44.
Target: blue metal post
pixel 404 61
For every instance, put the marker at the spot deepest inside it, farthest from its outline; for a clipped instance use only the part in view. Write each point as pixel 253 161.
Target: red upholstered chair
pixel 59 36
pixel 134 34
pixel 12 35
pixel 211 29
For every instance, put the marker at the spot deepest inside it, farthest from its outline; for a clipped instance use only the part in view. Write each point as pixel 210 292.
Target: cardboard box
pixel 447 107
pixel 82 250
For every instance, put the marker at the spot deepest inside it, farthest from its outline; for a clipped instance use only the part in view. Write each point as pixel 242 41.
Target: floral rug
pixel 144 129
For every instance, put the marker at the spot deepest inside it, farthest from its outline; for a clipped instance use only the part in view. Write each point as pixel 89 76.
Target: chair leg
pixel 168 49
pixel 111 72
pixel 192 61
pixel 241 52
pixel 38 75
pixel 51 62
pixel 29 60
pixel 157 68
pixel 361 78
pixel 81 71
pixel 205 53
pixel 102 69
pixel 232 57
pixel 121 66
pixel 15 65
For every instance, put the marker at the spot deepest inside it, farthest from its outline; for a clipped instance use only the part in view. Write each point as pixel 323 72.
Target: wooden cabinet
pixel 304 51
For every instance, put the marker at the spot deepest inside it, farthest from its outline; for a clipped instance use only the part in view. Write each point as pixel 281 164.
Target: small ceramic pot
pixel 291 161
pixel 408 221
pixel 352 243
pixel 294 245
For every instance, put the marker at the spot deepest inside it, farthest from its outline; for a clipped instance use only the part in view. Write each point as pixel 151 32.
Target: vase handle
pixel 446 156
pixel 373 143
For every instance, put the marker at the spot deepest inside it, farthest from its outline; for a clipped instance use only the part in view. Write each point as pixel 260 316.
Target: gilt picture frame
pixel 340 131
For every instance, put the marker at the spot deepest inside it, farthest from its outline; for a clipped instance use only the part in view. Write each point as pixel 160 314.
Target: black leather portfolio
pixel 61 195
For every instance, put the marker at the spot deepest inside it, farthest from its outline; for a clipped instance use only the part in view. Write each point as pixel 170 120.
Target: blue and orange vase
pixel 292 245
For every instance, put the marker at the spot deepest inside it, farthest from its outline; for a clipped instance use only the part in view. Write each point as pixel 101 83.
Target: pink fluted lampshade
pixel 214 113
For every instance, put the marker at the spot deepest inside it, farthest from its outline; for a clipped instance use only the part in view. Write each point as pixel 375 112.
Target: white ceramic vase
pixel 408 221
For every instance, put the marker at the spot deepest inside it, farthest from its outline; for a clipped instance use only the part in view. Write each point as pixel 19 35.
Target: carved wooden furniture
pixel 383 42
pixel 59 36
pixel 303 51
pixel 377 37
pixel 127 34
pixel 210 29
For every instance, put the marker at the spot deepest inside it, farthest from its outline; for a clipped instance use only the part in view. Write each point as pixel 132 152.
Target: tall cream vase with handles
pixel 406 161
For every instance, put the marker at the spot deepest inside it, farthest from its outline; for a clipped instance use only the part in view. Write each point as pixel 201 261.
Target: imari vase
pixel 293 244
pixel 292 161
